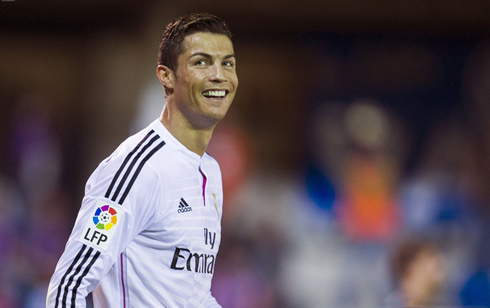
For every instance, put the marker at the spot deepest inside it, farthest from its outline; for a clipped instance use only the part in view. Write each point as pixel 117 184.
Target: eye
pixel 228 64
pixel 201 62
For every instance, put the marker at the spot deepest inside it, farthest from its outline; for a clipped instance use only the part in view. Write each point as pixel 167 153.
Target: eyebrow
pixel 209 56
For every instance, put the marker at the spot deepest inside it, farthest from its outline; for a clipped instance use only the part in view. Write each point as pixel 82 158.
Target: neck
pixel 194 139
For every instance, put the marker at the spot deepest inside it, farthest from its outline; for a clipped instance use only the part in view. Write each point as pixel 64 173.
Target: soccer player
pixel 419 270
pixel 148 230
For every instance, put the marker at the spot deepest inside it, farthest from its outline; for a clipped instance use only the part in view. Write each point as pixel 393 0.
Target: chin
pixel 208 121
pixel 217 113
pixel 217 118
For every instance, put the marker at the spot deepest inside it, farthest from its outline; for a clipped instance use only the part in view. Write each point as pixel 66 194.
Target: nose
pixel 217 73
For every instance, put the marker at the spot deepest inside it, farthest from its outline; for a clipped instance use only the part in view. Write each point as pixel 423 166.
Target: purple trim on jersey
pixel 204 181
pixel 122 281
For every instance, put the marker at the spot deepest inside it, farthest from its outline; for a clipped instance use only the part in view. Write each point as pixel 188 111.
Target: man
pixel 148 230
pixel 419 272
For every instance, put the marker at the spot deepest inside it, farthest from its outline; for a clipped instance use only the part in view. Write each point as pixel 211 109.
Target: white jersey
pixel 148 230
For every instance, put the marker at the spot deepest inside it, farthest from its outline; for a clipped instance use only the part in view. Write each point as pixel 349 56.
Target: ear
pixel 166 77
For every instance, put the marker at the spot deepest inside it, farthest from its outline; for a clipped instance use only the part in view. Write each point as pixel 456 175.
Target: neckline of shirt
pixel 193 158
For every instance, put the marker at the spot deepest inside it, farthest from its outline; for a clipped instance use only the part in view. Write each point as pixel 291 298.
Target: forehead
pixel 209 43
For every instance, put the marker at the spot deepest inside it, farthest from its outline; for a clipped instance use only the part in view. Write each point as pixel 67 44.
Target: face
pixel 204 85
pixel 430 270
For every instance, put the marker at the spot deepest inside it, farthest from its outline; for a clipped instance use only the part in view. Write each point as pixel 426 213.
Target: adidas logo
pixel 183 206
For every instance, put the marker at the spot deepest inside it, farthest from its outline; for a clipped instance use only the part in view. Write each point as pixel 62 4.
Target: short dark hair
pixel 171 43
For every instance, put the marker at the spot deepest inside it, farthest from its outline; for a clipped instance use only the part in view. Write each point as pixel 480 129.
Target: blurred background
pixel 360 128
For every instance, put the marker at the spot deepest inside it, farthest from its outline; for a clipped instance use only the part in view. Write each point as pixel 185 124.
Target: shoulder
pixel 129 165
pixel 140 148
pixel 211 162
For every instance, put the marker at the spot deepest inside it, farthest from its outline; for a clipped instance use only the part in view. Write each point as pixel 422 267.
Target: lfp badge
pixel 105 217
pixel 100 229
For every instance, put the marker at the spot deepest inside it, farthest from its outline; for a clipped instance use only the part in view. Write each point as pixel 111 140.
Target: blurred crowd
pixel 353 226
pixel 35 209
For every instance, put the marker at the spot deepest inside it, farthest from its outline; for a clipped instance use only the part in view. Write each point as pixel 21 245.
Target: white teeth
pixel 220 93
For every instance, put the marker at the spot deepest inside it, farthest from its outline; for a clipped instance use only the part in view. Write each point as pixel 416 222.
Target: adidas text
pixel 185 209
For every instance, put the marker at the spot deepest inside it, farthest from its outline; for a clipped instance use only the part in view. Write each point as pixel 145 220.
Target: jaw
pixel 206 112
pixel 215 108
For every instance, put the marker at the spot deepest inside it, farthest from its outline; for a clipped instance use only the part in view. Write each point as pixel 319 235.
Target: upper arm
pixel 105 226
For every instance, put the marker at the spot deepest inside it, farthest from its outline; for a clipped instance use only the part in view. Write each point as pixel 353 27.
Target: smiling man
pixel 148 230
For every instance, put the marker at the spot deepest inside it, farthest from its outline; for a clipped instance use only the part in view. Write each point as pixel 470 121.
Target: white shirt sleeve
pixel 109 219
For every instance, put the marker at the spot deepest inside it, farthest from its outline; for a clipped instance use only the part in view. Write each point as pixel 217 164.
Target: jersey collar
pixel 191 157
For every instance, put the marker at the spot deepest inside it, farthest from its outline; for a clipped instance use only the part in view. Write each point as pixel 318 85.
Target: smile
pixel 215 93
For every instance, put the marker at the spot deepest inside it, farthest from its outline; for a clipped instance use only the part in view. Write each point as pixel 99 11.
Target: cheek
pixel 234 79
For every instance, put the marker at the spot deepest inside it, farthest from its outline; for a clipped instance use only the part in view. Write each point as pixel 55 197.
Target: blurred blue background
pixel 358 125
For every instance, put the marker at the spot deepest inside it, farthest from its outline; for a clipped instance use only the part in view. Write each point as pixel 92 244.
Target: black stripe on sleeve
pixel 68 272
pixel 79 281
pixel 133 162
pixel 79 268
pixel 138 170
pixel 116 176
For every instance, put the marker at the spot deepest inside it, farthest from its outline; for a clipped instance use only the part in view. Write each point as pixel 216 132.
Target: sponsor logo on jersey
pixel 185 260
pixel 209 237
pixel 100 228
pixel 183 206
